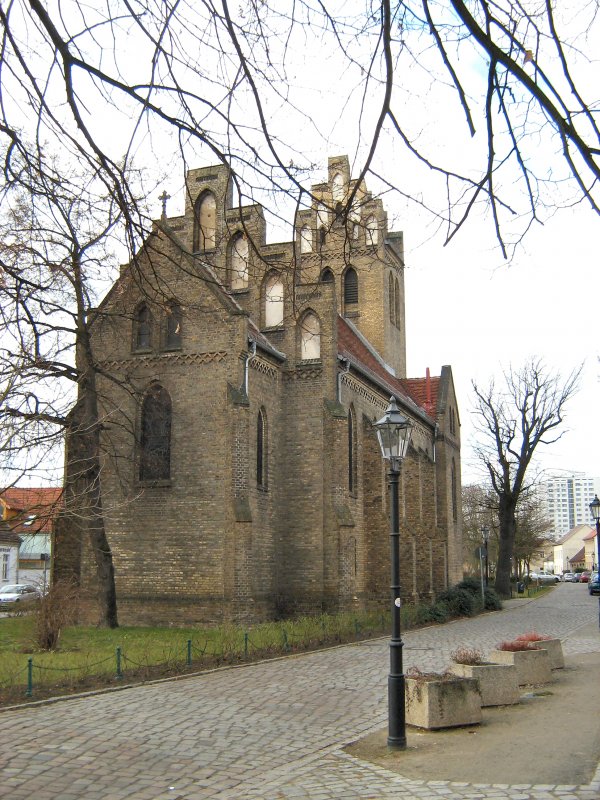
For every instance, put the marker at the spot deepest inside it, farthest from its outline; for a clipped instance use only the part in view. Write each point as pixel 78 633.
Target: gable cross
pixel 164 197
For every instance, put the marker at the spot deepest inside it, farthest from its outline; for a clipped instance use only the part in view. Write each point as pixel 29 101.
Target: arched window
pixel 238 262
pixel 205 219
pixel 310 337
pixel 261 449
pixel 326 276
pixel 173 326
pixel 322 237
pixel 273 301
pixel 155 435
pixel 372 231
pixel 337 186
pixel 392 298
pixel 306 240
pixel 350 286
pixel 397 301
pixel 352 465
pixel 142 337
pixel 454 498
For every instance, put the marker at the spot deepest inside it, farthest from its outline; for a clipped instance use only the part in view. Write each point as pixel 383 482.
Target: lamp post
pixel 595 511
pixel 393 433
pixel 485 535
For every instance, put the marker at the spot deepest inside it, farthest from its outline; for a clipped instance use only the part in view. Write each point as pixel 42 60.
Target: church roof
pixel 355 348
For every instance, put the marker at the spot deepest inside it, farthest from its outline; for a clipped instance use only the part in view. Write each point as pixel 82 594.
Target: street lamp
pixel 485 535
pixel 393 433
pixel 595 512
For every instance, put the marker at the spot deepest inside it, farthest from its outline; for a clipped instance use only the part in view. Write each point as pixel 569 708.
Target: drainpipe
pixel 250 355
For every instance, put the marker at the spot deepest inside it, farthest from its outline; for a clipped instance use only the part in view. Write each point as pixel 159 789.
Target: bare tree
pixel 99 81
pixel 53 249
pixel 512 422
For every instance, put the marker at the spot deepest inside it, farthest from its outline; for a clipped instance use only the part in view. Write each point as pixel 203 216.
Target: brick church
pixel 242 479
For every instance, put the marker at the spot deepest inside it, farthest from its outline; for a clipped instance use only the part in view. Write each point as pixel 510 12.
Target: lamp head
pixel 393 433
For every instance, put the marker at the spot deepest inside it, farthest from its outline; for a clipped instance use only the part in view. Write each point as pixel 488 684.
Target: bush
pixel 471 584
pixel 438 612
pixel 492 601
pixel 57 609
pixel 459 602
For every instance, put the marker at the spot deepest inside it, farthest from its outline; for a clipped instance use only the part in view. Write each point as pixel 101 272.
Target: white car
pixel 18 593
pixel 544 577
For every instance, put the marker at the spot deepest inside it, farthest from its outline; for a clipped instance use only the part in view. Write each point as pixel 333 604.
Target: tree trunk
pixel 506 543
pixel 84 461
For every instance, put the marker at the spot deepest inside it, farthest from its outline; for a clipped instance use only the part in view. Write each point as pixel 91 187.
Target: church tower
pixel 344 238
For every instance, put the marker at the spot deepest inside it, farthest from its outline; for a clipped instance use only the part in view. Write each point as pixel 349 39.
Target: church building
pixel 241 478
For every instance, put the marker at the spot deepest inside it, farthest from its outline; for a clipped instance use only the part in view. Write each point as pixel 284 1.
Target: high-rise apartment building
pixel 567 501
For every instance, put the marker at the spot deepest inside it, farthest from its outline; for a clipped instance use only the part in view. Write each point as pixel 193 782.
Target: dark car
pixel 594 583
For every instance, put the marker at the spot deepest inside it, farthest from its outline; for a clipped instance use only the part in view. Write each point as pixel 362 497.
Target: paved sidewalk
pixel 277 730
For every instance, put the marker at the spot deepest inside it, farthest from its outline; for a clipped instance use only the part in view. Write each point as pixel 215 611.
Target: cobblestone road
pixel 273 731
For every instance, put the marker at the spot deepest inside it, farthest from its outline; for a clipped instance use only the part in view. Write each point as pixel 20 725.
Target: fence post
pixel 29 691
pixel 286 646
pixel 189 652
pixel 119 673
pixel 245 644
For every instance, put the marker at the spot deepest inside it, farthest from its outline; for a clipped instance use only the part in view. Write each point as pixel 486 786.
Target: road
pixel 274 730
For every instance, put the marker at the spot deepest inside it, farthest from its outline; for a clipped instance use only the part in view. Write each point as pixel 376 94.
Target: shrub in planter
pixel 441 700
pixel 549 643
pixel 533 666
pixel 498 683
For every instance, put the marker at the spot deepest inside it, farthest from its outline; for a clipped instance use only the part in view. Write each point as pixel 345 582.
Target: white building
pixel 9 555
pixel 566 501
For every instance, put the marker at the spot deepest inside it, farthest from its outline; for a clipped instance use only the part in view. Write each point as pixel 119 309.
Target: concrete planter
pixel 442 702
pixel 533 666
pixel 498 683
pixel 555 651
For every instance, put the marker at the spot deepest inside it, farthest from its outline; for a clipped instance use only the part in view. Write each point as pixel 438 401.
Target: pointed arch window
pixel 310 337
pixel 205 219
pixel 142 336
pixel 306 239
pixel 372 231
pixel 326 276
pixel 454 491
pixel 352 451
pixel 392 298
pixel 261 449
pixel 397 302
pixel 350 286
pixel 273 301
pixel 173 326
pixel 337 186
pixel 155 435
pixel 238 262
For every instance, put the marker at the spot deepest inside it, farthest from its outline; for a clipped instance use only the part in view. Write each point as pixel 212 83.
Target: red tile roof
pixel 421 391
pixel 42 503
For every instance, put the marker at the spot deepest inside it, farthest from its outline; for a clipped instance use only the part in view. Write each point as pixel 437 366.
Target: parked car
pixel 569 577
pixel 18 593
pixel 584 577
pixel 594 583
pixel 544 577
